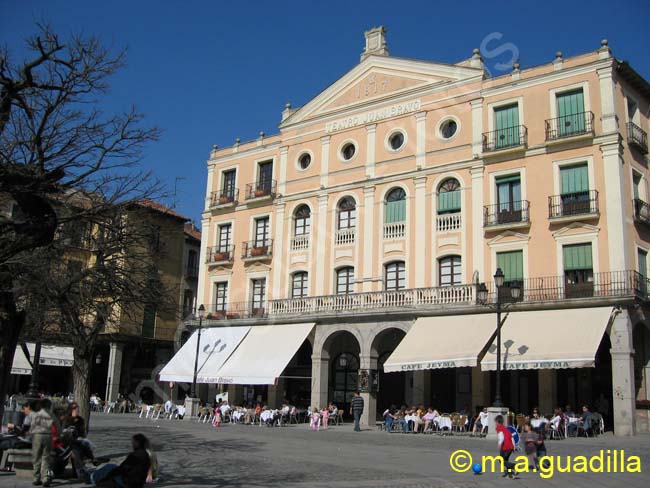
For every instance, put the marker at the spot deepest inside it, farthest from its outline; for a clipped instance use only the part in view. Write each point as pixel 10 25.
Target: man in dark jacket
pixel 356 409
pixel 132 473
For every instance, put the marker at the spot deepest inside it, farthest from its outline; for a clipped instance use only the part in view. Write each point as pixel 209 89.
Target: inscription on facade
pixel 374 116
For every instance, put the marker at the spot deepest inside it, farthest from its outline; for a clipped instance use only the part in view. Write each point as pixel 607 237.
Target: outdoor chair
pixel 521 421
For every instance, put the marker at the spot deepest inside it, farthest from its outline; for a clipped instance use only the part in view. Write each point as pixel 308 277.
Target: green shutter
pixel 512 265
pixel 577 256
pixel 574 179
pixel 395 211
pixel 643 262
pixel 507 126
pixel 570 110
pixel 449 201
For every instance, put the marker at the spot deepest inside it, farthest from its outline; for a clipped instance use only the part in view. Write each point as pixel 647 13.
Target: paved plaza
pixel 197 455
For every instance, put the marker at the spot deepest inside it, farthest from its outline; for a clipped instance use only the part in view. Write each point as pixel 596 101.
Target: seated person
pixel 131 473
pixel 417 419
pixel 399 419
pixel 481 423
pixel 429 418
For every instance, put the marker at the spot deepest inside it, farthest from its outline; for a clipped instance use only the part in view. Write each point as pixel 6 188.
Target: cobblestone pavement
pixel 197 455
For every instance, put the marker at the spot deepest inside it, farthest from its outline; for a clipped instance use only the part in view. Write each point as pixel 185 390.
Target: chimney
pixel 375 42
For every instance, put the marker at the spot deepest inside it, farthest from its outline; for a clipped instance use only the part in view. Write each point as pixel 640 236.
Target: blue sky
pixel 209 72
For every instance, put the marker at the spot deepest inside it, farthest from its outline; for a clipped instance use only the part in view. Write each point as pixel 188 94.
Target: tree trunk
pixel 11 324
pixel 81 382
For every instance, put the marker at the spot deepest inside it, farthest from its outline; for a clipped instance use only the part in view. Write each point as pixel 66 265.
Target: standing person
pixel 530 443
pixel 40 428
pixel 506 446
pixel 356 409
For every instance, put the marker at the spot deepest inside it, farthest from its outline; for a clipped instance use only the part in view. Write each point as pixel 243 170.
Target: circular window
pixel 348 151
pixel 304 161
pixel 448 129
pixel 396 141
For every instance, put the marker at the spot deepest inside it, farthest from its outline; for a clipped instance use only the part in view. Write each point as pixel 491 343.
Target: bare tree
pixel 56 145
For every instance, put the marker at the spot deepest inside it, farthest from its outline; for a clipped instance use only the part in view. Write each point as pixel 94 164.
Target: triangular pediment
pixel 377 79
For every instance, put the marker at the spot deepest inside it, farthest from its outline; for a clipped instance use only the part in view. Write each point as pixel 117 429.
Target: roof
pixel 635 79
pixel 192 231
pixel 159 207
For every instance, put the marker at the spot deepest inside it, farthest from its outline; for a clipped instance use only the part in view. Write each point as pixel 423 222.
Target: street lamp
pixel 499 305
pixel 198 344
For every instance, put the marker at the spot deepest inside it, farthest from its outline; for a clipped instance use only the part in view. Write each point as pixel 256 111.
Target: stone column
pixel 278 252
pixel 419 233
pixel 114 371
pixel 624 395
pixel 419 390
pixel 477 126
pixel 371 132
pixel 368 235
pixel 319 378
pixel 547 390
pixel 369 416
pixel 480 388
pixel 319 280
pixel 282 179
pixel 420 144
pixel 478 251
pixel 274 396
pixel 615 208
pixel 324 160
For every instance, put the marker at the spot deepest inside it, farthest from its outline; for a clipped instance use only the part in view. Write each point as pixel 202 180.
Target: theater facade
pixel 374 216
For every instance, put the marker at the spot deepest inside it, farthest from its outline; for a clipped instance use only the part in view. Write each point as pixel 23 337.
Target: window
pixel 395 276
pixel 299 285
pixel 228 184
pixel 396 140
pixel 506 122
pixel 571 112
pixel 225 236
pixel 574 188
pixel 395 206
pixel 508 199
pixel 448 129
pixel 220 296
pixel 265 176
pixel 262 232
pixel 149 320
pixel 512 265
pixel 449 273
pixel 345 280
pixel 578 270
pixel 636 185
pixel 449 196
pixel 347 214
pixel 643 263
pixel 301 221
pixel 632 111
pixel 345 375
pixel 304 161
pixel 192 262
pixel 259 295
pixel 348 151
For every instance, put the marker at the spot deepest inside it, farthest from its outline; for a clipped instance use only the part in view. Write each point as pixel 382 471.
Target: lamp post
pixel 32 391
pixel 198 345
pixel 499 305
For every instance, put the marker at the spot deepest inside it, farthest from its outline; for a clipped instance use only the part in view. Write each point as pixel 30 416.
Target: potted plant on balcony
pixel 232 315
pixel 224 199
pixel 221 256
pixel 259 251
pixel 219 315
pixel 257 312
pixel 260 192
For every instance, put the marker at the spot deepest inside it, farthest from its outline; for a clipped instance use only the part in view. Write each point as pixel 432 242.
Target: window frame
pixel 399 273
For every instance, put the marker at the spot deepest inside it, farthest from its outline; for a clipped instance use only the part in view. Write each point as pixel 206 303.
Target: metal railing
pixel 569 125
pixel 508 137
pixel 449 222
pixel 236 310
pixel 641 211
pixel 569 204
pixel 394 230
pixel 300 242
pixel 261 189
pixel 636 136
pixel 344 237
pixel 225 197
pixel 257 249
pixel 220 254
pixel 506 213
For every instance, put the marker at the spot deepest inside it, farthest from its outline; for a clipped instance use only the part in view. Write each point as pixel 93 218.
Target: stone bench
pixel 21 459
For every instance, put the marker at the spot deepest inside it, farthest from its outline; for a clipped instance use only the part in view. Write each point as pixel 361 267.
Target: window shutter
pixel 449 201
pixel 395 211
pixel 512 265
pixel 574 179
pixel 577 256
pixel 570 108
pixel 507 122
pixel 643 263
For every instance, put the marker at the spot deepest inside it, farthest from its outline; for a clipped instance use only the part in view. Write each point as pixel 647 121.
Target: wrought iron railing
pixel 236 310
pixel 569 204
pixel 229 196
pixel 508 137
pixel 637 137
pixel 569 125
pixel 506 213
pixel 449 222
pixel 257 249
pixel 641 211
pixel 220 254
pixel 261 189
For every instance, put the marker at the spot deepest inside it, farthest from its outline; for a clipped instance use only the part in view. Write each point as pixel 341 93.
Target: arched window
pixel 395 206
pixel 299 285
pixel 301 221
pixel 395 276
pixel 449 196
pixel 449 271
pixel 347 214
pixel 345 280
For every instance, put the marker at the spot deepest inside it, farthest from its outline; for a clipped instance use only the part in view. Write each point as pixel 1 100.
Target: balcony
pixel 220 255
pixel 300 242
pixel 637 137
pixel 191 272
pixel 506 215
pixel 448 222
pixel 573 206
pixel 605 289
pixel 641 212
pixel 224 198
pixel 345 237
pixel 261 190
pixel 508 139
pixel 569 126
pixel 257 250
pixel 394 231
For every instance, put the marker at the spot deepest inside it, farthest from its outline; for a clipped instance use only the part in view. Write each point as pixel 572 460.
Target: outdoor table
pixel 266 415
pixel 411 418
pixel 537 423
pixel 444 422
pixel 237 415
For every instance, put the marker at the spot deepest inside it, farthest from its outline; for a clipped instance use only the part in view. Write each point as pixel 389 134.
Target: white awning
pixel 452 341
pixel 21 365
pixel 550 339
pixel 217 344
pixel 263 354
pixel 50 356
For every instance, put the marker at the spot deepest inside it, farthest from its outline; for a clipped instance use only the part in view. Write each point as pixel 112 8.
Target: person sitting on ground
pixel 133 471
pixel 73 435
